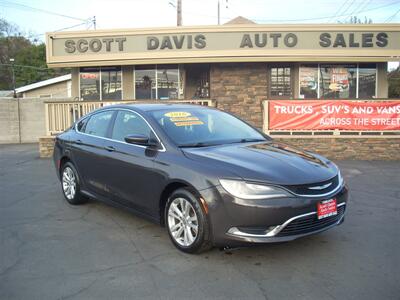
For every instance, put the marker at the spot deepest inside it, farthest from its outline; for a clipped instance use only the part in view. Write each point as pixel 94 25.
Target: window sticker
pixel 181 118
pixel 189 123
pixel 177 114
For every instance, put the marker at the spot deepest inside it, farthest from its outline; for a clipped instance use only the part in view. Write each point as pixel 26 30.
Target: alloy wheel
pixel 69 183
pixel 183 222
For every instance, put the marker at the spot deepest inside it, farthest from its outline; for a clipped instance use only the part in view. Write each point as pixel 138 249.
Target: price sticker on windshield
pixel 182 118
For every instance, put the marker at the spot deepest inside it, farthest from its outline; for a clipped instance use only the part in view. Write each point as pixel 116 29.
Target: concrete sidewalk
pixel 51 250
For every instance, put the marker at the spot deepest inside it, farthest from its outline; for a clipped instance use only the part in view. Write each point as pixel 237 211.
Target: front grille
pixel 311 223
pixel 309 189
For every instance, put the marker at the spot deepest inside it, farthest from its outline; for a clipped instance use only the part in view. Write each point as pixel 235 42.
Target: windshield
pixel 199 127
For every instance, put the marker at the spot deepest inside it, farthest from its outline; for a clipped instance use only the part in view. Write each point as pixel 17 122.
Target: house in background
pixel 57 87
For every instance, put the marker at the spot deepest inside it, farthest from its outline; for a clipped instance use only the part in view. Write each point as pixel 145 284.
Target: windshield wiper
pixel 195 145
pixel 248 140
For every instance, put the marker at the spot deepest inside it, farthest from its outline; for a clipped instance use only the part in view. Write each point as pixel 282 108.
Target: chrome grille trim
pixel 274 232
pixel 336 189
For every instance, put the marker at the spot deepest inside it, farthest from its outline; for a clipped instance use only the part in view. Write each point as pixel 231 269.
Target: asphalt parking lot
pixel 51 250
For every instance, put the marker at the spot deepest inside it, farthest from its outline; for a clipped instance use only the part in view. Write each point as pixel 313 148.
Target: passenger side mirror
pixel 142 140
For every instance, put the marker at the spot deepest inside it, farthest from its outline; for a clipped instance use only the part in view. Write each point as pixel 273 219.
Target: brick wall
pixel 240 89
pixel 338 148
pixel 46 146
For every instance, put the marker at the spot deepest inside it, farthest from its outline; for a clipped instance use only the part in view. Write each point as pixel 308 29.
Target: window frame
pixel 87 119
pixel 180 81
pixel 357 81
pixel 292 79
pixel 111 127
pixel 101 85
pixel 118 111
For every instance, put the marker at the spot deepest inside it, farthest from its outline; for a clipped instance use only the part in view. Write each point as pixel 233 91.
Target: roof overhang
pixel 43 83
pixel 228 43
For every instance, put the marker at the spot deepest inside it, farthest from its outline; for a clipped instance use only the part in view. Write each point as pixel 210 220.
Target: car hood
pixel 271 162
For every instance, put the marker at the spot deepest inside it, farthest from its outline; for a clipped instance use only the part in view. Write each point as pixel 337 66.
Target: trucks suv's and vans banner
pixel 333 114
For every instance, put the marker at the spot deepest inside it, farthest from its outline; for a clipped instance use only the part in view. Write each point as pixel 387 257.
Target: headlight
pixel 244 190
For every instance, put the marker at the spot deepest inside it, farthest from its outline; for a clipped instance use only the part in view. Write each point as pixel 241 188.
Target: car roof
pixel 158 106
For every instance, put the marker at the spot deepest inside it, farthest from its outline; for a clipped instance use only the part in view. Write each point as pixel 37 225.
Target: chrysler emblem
pixel 320 187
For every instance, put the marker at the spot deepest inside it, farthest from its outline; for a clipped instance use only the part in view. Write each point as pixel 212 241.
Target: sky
pixel 40 16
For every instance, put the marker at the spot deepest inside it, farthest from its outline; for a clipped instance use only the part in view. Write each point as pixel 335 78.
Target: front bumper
pixel 236 221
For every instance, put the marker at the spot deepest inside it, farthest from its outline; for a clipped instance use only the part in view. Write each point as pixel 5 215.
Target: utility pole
pixel 94 22
pixel 219 13
pixel 179 13
pixel 13 76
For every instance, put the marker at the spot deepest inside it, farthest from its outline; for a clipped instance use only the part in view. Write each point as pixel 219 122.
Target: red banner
pixel 333 114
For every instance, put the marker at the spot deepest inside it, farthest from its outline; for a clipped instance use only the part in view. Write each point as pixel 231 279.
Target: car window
pixel 81 125
pixel 98 124
pixel 128 123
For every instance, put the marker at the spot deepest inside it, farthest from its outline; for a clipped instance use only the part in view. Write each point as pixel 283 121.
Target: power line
pixel 30 8
pixel 25 66
pixel 392 16
pixel 298 20
pixel 339 10
pixel 327 17
pixel 61 29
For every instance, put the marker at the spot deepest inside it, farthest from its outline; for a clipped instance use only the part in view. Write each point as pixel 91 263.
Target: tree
pixel 29 58
pixel 394 83
pixel 356 20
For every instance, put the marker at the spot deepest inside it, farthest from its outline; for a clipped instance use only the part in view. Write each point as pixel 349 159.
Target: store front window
pixel 89 80
pixel 157 82
pixel 197 82
pixel 366 81
pixel 280 82
pixel 103 83
pixel 309 81
pixel 145 82
pixel 111 83
pixel 337 81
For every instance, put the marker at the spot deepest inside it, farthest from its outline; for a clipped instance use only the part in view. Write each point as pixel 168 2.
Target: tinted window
pixel 98 124
pixel 128 123
pixel 207 126
pixel 81 125
pixel 111 83
pixel 90 83
pixel 309 81
pixel 367 81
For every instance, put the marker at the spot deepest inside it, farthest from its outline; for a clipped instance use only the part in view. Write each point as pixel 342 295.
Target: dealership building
pixel 242 68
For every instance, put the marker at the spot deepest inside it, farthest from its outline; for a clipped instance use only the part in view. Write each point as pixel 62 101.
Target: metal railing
pixel 60 115
pixel 300 133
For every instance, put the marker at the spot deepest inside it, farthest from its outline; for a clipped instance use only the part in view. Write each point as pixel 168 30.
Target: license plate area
pixel 326 208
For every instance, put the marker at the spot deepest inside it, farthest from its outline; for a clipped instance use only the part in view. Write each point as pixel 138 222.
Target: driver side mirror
pixel 141 140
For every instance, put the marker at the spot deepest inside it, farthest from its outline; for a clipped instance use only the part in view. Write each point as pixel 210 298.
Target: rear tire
pixel 70 185
pixel 187 223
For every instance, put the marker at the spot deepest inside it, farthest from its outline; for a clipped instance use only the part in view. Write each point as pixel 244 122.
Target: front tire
pixel 187 223
pixel 70 185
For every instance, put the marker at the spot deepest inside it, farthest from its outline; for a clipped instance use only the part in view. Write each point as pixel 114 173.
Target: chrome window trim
pixel 236 232
pixel 163 149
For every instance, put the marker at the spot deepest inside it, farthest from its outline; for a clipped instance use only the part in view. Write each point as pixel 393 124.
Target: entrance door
pixel 281 82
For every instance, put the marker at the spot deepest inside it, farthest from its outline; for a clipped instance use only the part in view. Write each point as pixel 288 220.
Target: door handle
pixel 109 148
pixel 78 142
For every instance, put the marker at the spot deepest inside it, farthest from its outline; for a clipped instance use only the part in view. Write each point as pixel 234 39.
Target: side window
pixel 81 125
pixel 128 123
pixel 98 124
